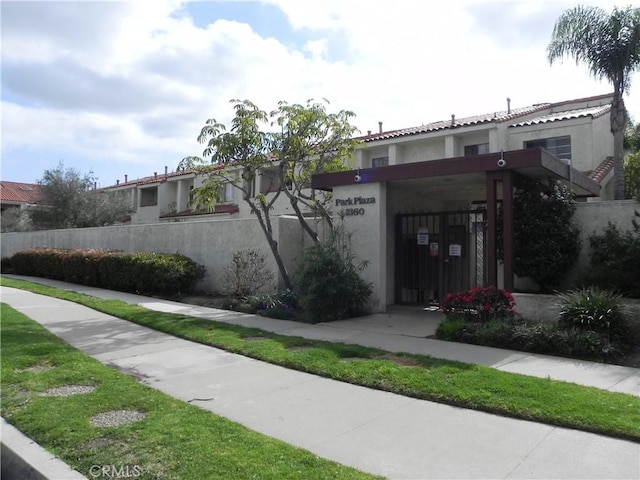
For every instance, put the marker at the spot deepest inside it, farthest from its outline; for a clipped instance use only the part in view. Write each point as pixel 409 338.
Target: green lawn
pixel 469 386
pixel 175 440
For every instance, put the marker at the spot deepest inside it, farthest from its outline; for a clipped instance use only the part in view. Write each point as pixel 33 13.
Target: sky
pixel 115 88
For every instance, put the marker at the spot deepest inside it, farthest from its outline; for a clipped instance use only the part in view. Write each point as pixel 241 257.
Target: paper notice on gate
pixel 455 250
pixel 423 236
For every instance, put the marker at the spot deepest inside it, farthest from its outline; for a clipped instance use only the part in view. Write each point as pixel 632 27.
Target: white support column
pixel 450 146
pixel 393 154
pixel 180 203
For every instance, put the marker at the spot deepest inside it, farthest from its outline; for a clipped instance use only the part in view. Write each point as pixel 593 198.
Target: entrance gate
pixel 437 253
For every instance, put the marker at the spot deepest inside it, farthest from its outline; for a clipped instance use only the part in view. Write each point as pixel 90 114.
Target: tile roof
pixel 156 178
pixel 159 177
pixel 16 192
pixel 495 117
pixel 593 112
pixel 501 116
pixel 599 173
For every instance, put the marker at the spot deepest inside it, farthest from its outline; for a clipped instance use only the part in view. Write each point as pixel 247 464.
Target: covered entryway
pixel 469 251
pixel 437 253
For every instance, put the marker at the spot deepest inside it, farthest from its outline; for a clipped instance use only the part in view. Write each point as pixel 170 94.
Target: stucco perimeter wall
pixel 593 217
pixel 210 243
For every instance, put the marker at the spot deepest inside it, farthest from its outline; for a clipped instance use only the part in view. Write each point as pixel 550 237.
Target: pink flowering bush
pixel 480 304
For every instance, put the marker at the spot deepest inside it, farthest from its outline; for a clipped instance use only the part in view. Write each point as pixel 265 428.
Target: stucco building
pixel 422 201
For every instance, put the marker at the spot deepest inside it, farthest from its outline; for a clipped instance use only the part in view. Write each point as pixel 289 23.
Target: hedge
pixel 139 272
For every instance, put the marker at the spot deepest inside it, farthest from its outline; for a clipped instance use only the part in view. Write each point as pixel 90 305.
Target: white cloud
pixel 128 85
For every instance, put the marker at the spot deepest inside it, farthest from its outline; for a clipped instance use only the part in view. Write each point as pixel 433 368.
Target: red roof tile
pixel 494 117
pixel 593 112
pixel 159 178
pixel 15 192
pixel 601 171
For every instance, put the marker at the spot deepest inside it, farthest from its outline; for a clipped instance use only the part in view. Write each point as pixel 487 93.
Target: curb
pixel 24 459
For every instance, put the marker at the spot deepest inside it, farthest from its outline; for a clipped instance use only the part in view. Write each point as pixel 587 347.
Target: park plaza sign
pixel 352 204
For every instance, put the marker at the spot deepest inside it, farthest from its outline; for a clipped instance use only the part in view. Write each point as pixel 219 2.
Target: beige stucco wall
pixel 584 156
pixel 593 218
pixel 210 243
pixel 602 138
pixel 422 150
pixel 213 242
pixel 368 229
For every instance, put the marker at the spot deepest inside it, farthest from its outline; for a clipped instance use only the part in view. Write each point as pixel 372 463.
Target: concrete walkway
pixel 374 431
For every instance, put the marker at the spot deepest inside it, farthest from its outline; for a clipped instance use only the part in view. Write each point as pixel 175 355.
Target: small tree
pixel 69 200
pixel 16 220
pixel 309 141
pixel 546 240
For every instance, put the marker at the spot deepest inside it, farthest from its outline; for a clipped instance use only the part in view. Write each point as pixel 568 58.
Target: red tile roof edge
pixel 501 116
pixel 599 173
pixel 18 192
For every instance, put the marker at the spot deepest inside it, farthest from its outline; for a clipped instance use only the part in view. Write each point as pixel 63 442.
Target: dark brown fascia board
pixel 515 160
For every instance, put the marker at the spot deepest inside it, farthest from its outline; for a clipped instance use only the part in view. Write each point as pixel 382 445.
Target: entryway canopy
pixel 534 163
pixel 496 172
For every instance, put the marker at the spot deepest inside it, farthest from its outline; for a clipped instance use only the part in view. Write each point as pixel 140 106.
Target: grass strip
pixel 470 386
pixel 175 440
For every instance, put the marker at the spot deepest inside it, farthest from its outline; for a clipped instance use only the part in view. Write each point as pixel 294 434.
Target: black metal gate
pixel 437 253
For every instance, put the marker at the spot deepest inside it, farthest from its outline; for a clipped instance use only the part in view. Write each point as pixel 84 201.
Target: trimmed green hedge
pixel 140 272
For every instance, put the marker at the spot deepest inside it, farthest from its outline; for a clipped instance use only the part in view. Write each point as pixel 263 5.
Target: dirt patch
pixel 400 360
pixel 68 390
pixel 115 418
pixel 98 443
pixel 39 368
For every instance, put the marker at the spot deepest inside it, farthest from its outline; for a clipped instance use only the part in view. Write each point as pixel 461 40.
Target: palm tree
pixel 610 46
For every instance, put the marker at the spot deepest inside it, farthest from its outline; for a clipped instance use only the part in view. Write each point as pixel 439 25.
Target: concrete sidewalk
pixel 374 431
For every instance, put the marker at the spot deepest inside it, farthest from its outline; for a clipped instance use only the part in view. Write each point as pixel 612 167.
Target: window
pixel 269 180
pixel 379 162
pixel 149 197
pixel 558 146
pixel 478 149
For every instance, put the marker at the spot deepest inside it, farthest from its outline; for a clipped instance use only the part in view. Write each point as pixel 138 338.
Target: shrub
pixel 546 240
pixel 592 309
pixel 543 338
pixel 615 260
pixel 5 265
pixel 284 299
pixel 328 282
pixel 450 327
pixel 280 313
pixel 39 262
pixel 480 304
pixel 247 274
pixel 129 272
